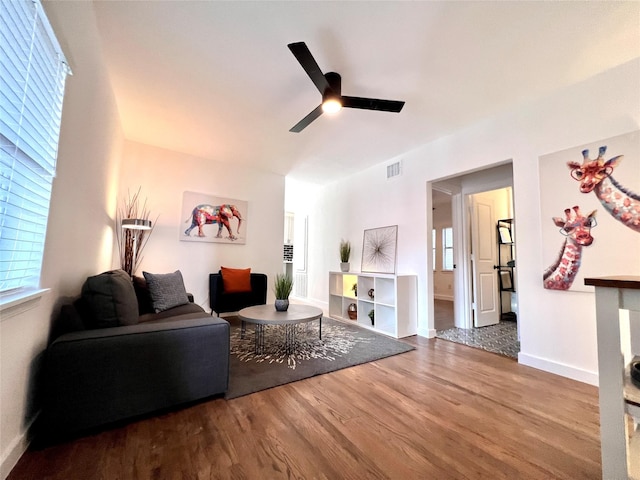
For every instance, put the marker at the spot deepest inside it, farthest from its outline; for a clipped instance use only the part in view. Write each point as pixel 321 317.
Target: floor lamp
pixel 133 228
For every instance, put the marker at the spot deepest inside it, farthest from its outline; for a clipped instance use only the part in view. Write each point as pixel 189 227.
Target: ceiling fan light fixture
pixel 331 105
pixel 330 86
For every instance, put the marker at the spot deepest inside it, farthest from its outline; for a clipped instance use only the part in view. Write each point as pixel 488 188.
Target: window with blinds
pixel 447 249
pixel 433 248
pixel 33 71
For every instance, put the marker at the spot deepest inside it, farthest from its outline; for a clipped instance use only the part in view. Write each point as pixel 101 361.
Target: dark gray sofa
pixel 101 375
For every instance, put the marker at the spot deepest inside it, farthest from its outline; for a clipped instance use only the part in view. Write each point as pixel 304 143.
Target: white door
pixel 486 309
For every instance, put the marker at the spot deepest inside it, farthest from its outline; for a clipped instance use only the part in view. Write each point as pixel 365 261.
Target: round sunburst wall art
pixel 379 250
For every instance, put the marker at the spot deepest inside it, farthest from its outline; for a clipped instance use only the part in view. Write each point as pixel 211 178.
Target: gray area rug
pixel 342 346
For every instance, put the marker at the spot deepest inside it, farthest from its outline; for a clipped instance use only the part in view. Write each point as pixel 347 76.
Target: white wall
pixel 164 176
pixel 79 235
pixel 557 328
pixel 501 199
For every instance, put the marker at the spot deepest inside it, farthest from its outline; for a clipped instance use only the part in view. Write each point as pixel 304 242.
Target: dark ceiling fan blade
pixel 372 104
pixel 303 55
pixel 302 124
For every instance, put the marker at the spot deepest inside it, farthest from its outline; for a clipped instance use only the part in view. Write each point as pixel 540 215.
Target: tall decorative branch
pixel 128 238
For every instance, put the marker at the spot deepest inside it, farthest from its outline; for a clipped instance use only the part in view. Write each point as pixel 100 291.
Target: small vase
pixel 344 266
pixel 282 305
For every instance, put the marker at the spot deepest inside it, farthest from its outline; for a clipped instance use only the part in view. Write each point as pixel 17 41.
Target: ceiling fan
pixel 329 85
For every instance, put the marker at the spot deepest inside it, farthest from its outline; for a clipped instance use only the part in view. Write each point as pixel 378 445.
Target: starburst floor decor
pixel 342 346
pixel 379 250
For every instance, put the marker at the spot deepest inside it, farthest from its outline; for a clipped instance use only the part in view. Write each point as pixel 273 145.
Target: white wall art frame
pixel 379 248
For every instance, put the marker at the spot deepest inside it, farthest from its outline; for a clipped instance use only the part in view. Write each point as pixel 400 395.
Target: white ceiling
pixel 216 80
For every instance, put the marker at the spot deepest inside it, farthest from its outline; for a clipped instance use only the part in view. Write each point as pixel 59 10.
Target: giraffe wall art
pixel 605 184
pixel 576 228
pixel 596 176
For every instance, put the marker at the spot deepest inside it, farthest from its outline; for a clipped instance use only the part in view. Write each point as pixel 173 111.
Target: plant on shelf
pixel 371 316
pixel 282 289
pixel 355 289
pixel 345 253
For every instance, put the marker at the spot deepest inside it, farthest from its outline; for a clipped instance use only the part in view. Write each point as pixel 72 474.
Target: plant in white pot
pixel 282 289
pixel 345 253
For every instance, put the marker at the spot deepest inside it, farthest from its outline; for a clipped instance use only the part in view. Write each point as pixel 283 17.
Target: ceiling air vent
pixel 393 170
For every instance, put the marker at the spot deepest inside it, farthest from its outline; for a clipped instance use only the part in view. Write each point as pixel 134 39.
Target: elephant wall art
pixel 207 218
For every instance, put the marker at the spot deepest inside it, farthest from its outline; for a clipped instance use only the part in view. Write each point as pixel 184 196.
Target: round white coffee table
pixel 263 315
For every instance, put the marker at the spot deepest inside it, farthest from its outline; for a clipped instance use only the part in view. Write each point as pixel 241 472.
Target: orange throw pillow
pixel 236 280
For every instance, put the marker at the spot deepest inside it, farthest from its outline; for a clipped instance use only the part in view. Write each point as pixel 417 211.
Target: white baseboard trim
pixel 18 446
pixel 449 298
pixel 427 332
pixel 561 369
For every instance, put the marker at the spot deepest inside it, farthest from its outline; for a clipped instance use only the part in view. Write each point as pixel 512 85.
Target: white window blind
pixel 33 71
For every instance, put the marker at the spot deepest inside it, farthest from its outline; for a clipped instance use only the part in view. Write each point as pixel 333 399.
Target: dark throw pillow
pixel 110 300
pixel 166 289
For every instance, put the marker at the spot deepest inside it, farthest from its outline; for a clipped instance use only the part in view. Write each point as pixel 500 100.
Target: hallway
pixel 501 338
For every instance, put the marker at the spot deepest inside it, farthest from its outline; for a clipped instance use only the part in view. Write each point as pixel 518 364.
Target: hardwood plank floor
pixel 443 411
pixel 443 314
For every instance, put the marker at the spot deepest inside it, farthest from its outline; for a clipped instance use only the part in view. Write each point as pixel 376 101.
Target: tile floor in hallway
pixel 501 338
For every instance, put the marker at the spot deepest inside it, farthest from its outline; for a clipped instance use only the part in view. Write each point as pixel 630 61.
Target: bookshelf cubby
pixel 394 301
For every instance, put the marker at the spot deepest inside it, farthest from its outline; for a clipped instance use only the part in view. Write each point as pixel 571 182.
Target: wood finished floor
pixel 443 411
pixel 443 314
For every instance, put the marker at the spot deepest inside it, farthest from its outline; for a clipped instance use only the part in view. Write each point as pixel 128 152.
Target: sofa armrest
pixel 94 377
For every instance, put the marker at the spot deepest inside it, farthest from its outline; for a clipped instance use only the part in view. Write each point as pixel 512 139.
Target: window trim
pixel 15 302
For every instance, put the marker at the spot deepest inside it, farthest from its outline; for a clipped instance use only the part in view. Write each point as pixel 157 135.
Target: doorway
pixel 442 259
pixel 486 211
pixel 479 301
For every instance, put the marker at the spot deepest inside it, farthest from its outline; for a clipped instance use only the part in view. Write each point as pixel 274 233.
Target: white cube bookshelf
pixel 394 302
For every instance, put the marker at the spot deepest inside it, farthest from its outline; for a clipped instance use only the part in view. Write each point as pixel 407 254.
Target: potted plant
pixel 282 289
pixel 133 229
pixel 345 253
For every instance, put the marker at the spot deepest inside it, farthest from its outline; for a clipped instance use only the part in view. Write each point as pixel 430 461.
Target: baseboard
pixel 18 446
pixel 448 298
pixel 427 332
pixel 561 369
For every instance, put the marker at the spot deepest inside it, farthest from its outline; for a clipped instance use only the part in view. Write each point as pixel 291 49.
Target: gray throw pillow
pixel 166 289
pixel 110 300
